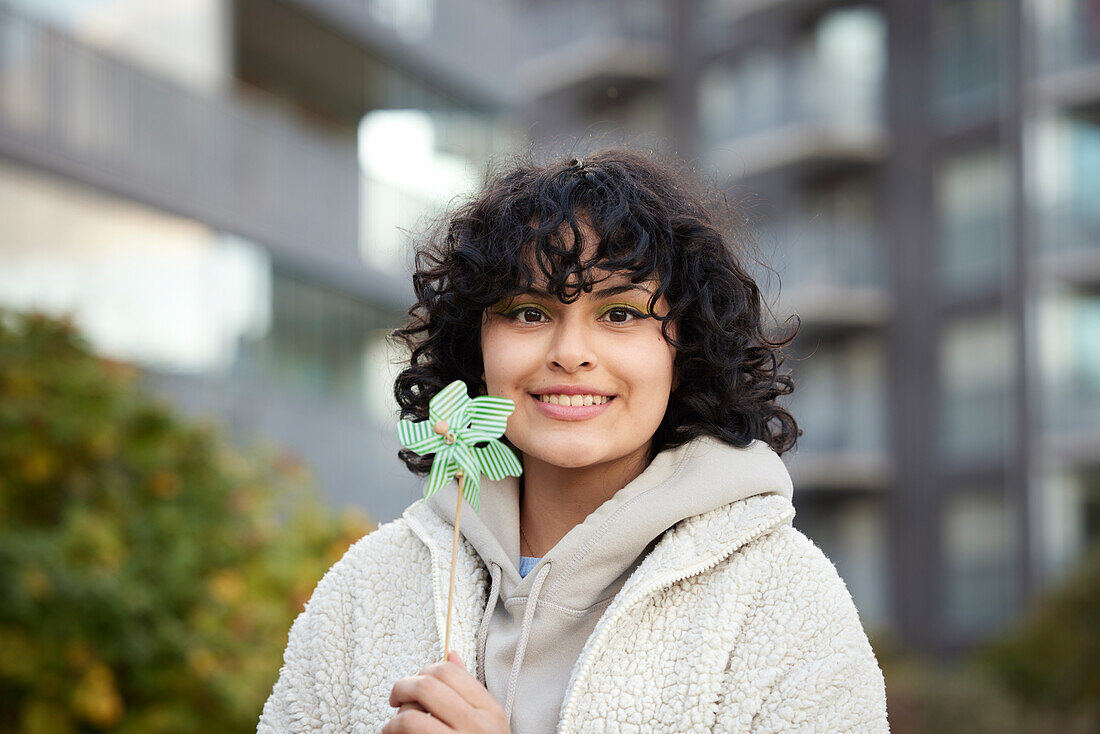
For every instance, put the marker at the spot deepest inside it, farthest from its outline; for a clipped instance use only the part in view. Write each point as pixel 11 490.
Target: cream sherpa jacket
pixel 734 622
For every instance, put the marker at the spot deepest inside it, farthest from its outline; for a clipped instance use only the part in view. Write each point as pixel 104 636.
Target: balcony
pixel 817 110
pixel 580 46
pixel 840 404
pixel 831 274
pixel 460 44
pixel 235 163
pixel 1067 39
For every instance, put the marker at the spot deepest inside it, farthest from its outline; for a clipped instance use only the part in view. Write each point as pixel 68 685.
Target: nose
pixel 571 348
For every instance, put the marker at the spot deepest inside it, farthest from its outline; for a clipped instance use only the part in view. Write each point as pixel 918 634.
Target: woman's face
pixel 590 379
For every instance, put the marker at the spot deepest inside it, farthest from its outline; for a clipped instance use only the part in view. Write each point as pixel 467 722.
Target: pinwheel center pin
pixel 445 431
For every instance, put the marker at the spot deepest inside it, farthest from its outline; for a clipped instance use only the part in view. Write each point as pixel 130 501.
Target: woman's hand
pixel 444 697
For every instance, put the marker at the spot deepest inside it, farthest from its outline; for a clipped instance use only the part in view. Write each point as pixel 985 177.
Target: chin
pixel 570 456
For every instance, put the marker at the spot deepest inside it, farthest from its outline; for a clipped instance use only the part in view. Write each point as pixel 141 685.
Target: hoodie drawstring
pixel 483 630
pixel 525 635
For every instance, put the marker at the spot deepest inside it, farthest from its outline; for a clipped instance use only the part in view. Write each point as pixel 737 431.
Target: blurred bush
pixel 1040 675
pixel 1051 657
pixel 150 573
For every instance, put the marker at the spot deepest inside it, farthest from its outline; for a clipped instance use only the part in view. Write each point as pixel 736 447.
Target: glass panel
pixel 144 286
pixel 844 68
pixel 405 179
pixel 1068 32
pixel 1069 348
pixel 1070 518
pixel 183 40
pixel 838 400
pixel 834 77
pixel 977 375
pixel 973 195
pixel 1066 183
pixel 980 574
pixel 744 98
pixel 318 345
pixel 968 56
pixel 832 242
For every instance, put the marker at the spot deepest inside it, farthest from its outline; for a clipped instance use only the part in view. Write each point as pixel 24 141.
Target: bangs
pixel 575 232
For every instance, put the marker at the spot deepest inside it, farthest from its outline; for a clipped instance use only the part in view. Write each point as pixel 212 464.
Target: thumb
pixel 454 658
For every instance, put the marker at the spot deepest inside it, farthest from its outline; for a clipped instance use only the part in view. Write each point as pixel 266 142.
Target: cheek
pixel 504 357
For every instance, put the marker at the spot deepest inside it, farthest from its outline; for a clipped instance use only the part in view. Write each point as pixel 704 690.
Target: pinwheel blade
pixel 448 404
pixel 488 417
pixel 443 469
pixel 498 461
pixel 471 490
pixel 418 437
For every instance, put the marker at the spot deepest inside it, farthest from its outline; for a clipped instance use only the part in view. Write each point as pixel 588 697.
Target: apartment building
pixel 925 183
pixel 238 177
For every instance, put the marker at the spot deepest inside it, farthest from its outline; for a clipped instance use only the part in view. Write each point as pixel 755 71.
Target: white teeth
pixel 574 400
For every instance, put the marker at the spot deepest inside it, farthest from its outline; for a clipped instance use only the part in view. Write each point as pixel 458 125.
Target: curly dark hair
pixel 654 222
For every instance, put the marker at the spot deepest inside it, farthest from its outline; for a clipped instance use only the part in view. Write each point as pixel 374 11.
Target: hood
pixel 591 562
pixel 689 480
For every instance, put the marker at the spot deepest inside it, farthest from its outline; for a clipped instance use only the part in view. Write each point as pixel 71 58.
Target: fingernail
pixel 458 659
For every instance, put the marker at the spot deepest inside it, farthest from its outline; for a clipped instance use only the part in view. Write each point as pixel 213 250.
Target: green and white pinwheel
pixel 462 434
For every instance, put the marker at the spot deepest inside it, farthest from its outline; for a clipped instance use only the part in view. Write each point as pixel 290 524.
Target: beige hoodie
pixel 535 627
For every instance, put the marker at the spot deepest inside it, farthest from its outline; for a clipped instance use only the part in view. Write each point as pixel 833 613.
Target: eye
pixel 622 315
pixel 526 315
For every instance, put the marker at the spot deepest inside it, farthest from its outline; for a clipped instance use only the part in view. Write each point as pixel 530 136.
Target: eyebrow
pixel 613 290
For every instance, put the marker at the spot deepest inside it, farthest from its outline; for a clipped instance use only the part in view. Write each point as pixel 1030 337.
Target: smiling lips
pixel 572 407
pixel 574 400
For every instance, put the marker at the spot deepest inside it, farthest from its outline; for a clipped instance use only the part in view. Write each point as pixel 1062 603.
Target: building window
pixel 838 399
pixel 831 242
pixel 321 345
pixel 1067 33
pixel 1066 182
pixel 843 68
pixel 833 77
pixel 977 375
pixel 973 197
pixel 979 546
pixel 744 98
pixel 1069 354
pixel 412 164
pixel 166 293
pixel 1069 520
pixel 968 56
pixel 186 41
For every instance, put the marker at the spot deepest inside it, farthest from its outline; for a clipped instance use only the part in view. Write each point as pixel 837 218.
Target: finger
pixel 418 722
pixel 459 679
pixel 437 698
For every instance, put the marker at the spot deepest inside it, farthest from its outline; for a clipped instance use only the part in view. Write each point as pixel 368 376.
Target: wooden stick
pixel 454 562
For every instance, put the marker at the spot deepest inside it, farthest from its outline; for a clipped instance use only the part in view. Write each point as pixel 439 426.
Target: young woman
pixel 643 573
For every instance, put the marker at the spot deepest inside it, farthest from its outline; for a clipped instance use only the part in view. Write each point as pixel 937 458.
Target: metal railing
pixel 231 162
pixel 821 253
pixel 1067 34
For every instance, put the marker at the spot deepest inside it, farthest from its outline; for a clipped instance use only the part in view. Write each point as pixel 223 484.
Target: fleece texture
pixel 536 624
pixel 733 621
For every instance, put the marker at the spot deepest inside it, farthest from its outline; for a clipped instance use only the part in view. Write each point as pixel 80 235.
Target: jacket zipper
pixel 437 583
pixel 667 580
